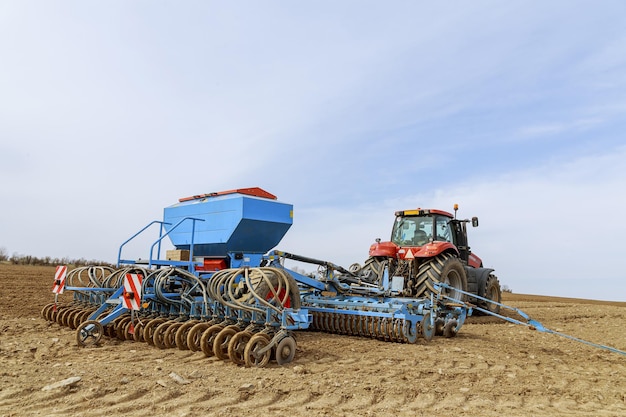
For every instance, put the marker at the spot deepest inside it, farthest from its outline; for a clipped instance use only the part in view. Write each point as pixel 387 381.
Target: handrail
pixel 192 267
pixel 119 253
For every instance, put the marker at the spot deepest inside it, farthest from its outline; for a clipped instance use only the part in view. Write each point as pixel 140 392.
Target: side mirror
pixel 474 221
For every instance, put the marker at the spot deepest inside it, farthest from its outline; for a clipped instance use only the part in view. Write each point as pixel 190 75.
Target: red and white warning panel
pixel 59 279
pixel 131 297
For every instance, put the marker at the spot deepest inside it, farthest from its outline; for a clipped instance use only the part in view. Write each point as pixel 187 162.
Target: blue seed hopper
pixel 221 230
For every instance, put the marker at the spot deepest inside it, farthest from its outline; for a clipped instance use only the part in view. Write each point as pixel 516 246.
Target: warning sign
pixel 131 297
pixel 59 279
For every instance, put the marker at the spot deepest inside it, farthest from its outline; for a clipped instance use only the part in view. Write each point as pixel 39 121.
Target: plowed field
pixel 491 368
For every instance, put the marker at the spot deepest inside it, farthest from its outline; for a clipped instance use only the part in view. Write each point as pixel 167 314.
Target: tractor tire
pixel 444 268
pixel 373 269
pixel 492 292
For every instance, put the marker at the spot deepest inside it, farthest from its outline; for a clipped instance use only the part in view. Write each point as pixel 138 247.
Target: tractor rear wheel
pixel 492 292
pixel 444 268
pixel 373 270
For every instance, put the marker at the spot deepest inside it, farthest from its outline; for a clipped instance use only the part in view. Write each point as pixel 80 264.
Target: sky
pixel 111 111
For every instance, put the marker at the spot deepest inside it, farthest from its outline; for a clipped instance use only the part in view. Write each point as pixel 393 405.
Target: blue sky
pixel 348 110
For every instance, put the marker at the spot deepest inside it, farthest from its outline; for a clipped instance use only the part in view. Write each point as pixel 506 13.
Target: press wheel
pixel 252 357
pixel 207 339
pixel 158 338
pixel 169 337
pixel 285 350
pixel 121 326
pixel 220 343
pixel 89 333
pixel 46 309
pixel 195 334
pixel 149 328
pixel 237 346
pixel 182 332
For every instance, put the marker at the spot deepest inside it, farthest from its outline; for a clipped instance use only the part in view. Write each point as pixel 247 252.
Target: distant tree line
pixel 19 259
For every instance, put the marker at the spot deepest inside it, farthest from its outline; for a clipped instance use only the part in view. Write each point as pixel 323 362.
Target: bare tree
pixel 4 254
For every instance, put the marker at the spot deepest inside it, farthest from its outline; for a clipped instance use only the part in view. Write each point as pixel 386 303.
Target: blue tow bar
pixel 530 323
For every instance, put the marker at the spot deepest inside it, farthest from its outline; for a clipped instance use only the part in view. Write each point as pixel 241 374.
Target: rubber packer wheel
pixel 237 346
pixel 207 339
pixel 220 344
pixel 158 337
pixel 252 357
pixel 89 333
pixel 149 328
pixel 181 334
pixel 45 310
pixel 169 337
pixel 195 334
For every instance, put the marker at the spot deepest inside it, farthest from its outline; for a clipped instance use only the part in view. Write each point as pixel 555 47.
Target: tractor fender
pixel 477 279
pixel 435 248
pixel 384 249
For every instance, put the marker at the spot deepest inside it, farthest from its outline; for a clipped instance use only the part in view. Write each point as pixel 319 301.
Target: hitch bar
pixel 530 323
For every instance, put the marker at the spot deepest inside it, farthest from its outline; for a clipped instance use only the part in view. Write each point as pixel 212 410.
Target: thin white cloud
pixel 553 129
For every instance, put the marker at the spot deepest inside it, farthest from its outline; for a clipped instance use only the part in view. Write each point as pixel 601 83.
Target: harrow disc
pixel 128 334
pixel 451 328
pixel 73 321
pixel 64 317
pixel 439 325
pixel 409 331
pixel 138 333
pixel 428 328
pixel 84 316
pixel 60 316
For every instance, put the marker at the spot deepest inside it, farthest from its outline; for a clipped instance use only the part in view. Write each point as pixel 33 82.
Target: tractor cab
pixel 416 228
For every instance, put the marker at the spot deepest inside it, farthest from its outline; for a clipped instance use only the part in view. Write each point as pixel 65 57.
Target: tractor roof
pixel 423 212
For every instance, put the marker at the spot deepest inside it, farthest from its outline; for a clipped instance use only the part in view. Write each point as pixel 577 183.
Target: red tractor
pixel 429 246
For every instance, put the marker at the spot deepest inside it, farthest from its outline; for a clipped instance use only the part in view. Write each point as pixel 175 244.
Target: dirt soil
pixel 491 368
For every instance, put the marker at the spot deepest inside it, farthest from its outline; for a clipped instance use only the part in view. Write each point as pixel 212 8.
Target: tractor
pixel 429 246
